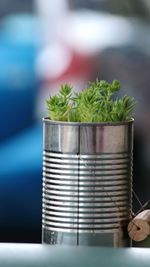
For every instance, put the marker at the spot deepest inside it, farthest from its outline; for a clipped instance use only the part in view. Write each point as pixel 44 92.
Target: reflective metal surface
pixel 87 181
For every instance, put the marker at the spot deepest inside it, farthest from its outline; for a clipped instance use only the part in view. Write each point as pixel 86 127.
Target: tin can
pixel 87 183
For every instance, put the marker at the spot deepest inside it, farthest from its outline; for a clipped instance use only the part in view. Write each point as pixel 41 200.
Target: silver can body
pixel 87 183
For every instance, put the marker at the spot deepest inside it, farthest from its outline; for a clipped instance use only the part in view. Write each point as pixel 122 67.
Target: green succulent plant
pixel 96 103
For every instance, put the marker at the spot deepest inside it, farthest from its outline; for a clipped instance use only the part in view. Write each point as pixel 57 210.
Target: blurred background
pixel 42 44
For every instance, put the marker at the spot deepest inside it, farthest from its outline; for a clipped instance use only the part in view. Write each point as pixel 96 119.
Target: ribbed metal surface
pixel 84 193
pixel 87 182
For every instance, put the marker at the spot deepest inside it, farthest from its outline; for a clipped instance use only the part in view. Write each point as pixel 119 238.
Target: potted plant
pixel 87 166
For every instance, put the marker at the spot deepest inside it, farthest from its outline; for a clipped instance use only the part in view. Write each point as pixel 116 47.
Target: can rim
pixel 66 123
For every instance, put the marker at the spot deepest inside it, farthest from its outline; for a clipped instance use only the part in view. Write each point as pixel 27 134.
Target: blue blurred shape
pixel 23 150
pixel 20 134
pixel 20 180
pixel 18 80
